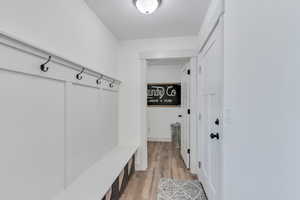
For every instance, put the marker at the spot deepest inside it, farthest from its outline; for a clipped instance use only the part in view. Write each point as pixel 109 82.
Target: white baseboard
pixel 202 176
pixel 152 139
pixel 139 167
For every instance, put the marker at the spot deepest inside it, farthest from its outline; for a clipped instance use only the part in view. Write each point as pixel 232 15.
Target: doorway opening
pixel 168 103
pixel 165 157
pixel 201 110
pixel 183 62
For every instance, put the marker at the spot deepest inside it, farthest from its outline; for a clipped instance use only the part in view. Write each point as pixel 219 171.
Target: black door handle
pixel 179 115
pixel 213 136
pixel 217 122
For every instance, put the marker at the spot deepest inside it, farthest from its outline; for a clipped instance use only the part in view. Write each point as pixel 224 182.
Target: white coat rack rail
pixel 48 57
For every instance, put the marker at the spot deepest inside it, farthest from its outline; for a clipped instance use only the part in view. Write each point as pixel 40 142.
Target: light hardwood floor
pixel 164 162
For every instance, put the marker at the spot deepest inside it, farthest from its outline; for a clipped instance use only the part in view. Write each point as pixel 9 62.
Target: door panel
pixel 210 96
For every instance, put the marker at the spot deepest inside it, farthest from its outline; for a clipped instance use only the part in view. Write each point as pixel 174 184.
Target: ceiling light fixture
pixel 147 7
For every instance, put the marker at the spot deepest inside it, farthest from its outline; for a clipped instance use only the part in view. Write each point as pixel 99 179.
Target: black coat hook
pixel 98 81
pixel 112 84
pixel 79 76
pixel 43 66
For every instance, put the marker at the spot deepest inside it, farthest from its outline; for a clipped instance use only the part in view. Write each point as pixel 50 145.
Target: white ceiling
pixel 173 18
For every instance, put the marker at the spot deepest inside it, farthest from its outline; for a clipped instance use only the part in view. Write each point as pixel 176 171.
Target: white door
pixel 210 83
pixel 185 125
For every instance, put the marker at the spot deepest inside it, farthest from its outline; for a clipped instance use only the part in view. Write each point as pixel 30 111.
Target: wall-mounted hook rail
pixel 99 80
pixel 59 61
pixel 43 66
pixel 79 76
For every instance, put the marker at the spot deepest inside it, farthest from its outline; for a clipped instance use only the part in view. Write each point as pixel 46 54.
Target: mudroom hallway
pixel 165 166
pixel 149 99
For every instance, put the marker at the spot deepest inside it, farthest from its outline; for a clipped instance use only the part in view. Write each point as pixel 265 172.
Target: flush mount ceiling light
pixel 147 7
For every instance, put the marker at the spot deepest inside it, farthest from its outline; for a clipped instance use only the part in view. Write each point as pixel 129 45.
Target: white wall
pixel 130 72
pixel 32 137
pixel 38 115
pixel 66 27
pixel 161 118
pixel 262 95
pixel 93 131
pixel 164 73
pixel 54 127
pixel 261 114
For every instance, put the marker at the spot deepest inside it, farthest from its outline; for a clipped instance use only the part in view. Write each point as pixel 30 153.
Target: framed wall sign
pixel 164 94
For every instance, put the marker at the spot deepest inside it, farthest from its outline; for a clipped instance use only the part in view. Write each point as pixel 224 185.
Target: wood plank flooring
pixel 164 162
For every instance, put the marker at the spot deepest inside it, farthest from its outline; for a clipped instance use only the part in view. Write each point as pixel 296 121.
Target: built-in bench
pixel 106 179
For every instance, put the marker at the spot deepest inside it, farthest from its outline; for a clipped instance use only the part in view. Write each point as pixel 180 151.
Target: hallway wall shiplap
pixel 36 159
pixel 54 126
pixel 93 127
pixel 32 136
pixel 66 27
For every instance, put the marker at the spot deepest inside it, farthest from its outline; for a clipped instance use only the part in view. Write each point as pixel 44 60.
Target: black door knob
pixel 217 122
pixel 215 136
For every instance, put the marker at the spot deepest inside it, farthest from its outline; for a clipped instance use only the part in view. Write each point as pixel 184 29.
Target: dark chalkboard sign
pixel 164 94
